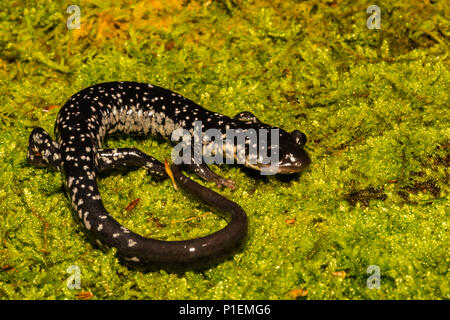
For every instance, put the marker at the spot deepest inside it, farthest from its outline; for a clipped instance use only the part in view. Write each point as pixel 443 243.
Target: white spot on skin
pixel 86 222
pixel 69 183
pixel 131 243
pixel 135 259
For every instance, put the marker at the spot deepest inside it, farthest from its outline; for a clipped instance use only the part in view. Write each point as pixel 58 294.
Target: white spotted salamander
pixel 131 107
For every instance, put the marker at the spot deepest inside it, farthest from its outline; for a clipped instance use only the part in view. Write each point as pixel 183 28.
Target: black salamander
pixel 131 107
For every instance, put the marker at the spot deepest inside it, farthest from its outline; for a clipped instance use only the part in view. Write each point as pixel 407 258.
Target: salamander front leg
pixel 203 171
pixel 198 165
pixel 108 159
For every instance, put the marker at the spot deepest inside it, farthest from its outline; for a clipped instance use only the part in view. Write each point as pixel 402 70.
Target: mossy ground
pixel 373 103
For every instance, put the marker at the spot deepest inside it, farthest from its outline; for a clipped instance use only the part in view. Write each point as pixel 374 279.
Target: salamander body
pixel 131 107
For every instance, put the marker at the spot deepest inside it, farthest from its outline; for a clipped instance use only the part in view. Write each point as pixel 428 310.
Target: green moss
pixel 373 103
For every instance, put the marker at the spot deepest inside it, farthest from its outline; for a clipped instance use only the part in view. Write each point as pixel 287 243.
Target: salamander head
pixel 293 156
pixel 287 156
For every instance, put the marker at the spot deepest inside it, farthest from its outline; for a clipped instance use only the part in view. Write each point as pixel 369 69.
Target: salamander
pixel 130 107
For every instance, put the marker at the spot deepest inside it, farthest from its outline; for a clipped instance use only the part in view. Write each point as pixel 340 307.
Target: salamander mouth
pixel 278 169
pixel 282 167
pixel 290 169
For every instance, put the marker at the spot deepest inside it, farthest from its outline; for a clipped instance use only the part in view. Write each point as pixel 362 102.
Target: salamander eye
pixel 299 137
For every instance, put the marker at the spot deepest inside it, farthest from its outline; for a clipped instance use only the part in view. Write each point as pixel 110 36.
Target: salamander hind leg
pixel 109 159
pixel 43 152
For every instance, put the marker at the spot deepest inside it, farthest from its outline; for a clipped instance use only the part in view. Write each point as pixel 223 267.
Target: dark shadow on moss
pixel 365 195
